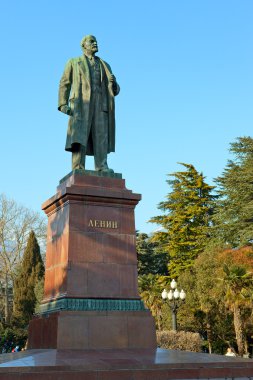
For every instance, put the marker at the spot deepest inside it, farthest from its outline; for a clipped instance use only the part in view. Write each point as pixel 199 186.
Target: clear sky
pixel 185 68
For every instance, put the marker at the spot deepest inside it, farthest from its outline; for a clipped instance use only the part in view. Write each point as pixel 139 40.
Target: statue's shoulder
pixel 75 60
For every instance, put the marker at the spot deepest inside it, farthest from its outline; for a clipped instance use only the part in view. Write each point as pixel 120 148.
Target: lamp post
pixel 176 299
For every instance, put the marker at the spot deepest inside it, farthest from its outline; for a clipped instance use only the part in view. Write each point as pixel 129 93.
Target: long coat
pixel 75 91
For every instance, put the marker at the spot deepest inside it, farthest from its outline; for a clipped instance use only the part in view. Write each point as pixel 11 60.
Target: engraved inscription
pixel 113 224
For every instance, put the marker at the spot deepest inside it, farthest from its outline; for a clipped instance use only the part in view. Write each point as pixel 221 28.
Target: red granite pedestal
pixel 124 364
pixel 91 299
pixel 92 324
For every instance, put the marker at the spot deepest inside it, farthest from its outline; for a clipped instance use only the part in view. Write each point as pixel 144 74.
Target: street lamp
pixel 176 299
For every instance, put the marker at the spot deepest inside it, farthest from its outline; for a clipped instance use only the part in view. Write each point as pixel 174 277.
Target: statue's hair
pixel 84 39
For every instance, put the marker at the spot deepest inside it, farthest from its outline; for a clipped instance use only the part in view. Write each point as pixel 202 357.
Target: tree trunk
pixel 209 336
pixel 159 320
pixel 6 301
pixel 246 346
pixel 238 329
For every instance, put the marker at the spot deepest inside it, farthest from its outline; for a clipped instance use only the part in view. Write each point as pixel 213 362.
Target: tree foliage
pixel 186 219
pixel 151 260
pixel 150 292
pixel 234 214
pixel 205 300
pixel 238 285
pixel 219 301
pixel 30 274
pixel 208 242
pixel 16 222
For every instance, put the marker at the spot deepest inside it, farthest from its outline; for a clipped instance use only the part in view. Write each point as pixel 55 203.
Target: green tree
pixel 219 290
pixel 234 214
pixel 150 258
pixel 30 274
pixel 150 292
pixel 16 222
pixel 186 219
pixel 209 308
pixel 237 284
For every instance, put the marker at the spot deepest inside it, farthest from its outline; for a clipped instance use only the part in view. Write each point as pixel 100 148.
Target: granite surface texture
pixel 91 298
pixel 136 364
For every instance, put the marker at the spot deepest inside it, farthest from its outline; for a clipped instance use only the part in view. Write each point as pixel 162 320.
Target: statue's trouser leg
pixel 99 131
pixel 78 157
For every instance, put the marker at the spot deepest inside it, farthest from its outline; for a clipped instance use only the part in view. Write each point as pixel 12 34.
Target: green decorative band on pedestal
pixel 91 304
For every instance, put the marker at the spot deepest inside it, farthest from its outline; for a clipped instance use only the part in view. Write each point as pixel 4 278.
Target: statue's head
pixel 89 44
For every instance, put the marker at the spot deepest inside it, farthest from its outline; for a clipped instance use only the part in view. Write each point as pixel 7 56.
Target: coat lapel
pixel 101 70
pixel 84 68
pixel 107 72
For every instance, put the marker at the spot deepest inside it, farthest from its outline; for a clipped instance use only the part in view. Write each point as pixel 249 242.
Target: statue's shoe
pixel 79 167
pixel 105 170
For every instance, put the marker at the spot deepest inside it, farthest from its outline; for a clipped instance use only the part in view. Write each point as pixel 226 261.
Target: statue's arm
pixel 65 88
pixel 112 79
pixel 115 87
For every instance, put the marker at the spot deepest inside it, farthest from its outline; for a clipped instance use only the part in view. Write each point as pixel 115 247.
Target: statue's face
pixel 90 45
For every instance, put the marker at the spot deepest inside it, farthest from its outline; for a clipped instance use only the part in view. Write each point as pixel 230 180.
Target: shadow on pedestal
pixel 91 298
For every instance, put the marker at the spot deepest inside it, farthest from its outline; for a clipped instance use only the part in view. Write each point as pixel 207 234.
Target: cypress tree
pixel 30 274
pixel 186 219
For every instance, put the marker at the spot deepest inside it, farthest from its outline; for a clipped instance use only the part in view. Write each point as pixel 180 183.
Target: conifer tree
pixel 186 219
pixel 16 222
pixel 30 274
pixel 151 260
pixel 234 216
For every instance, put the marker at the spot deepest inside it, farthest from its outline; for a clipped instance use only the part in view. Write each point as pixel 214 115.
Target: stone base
pixel 121 365
pixel 91 250
pixel 91 298
pixel 93 330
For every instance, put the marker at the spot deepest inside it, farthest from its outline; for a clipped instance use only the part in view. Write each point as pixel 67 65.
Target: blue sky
pixel 185 71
